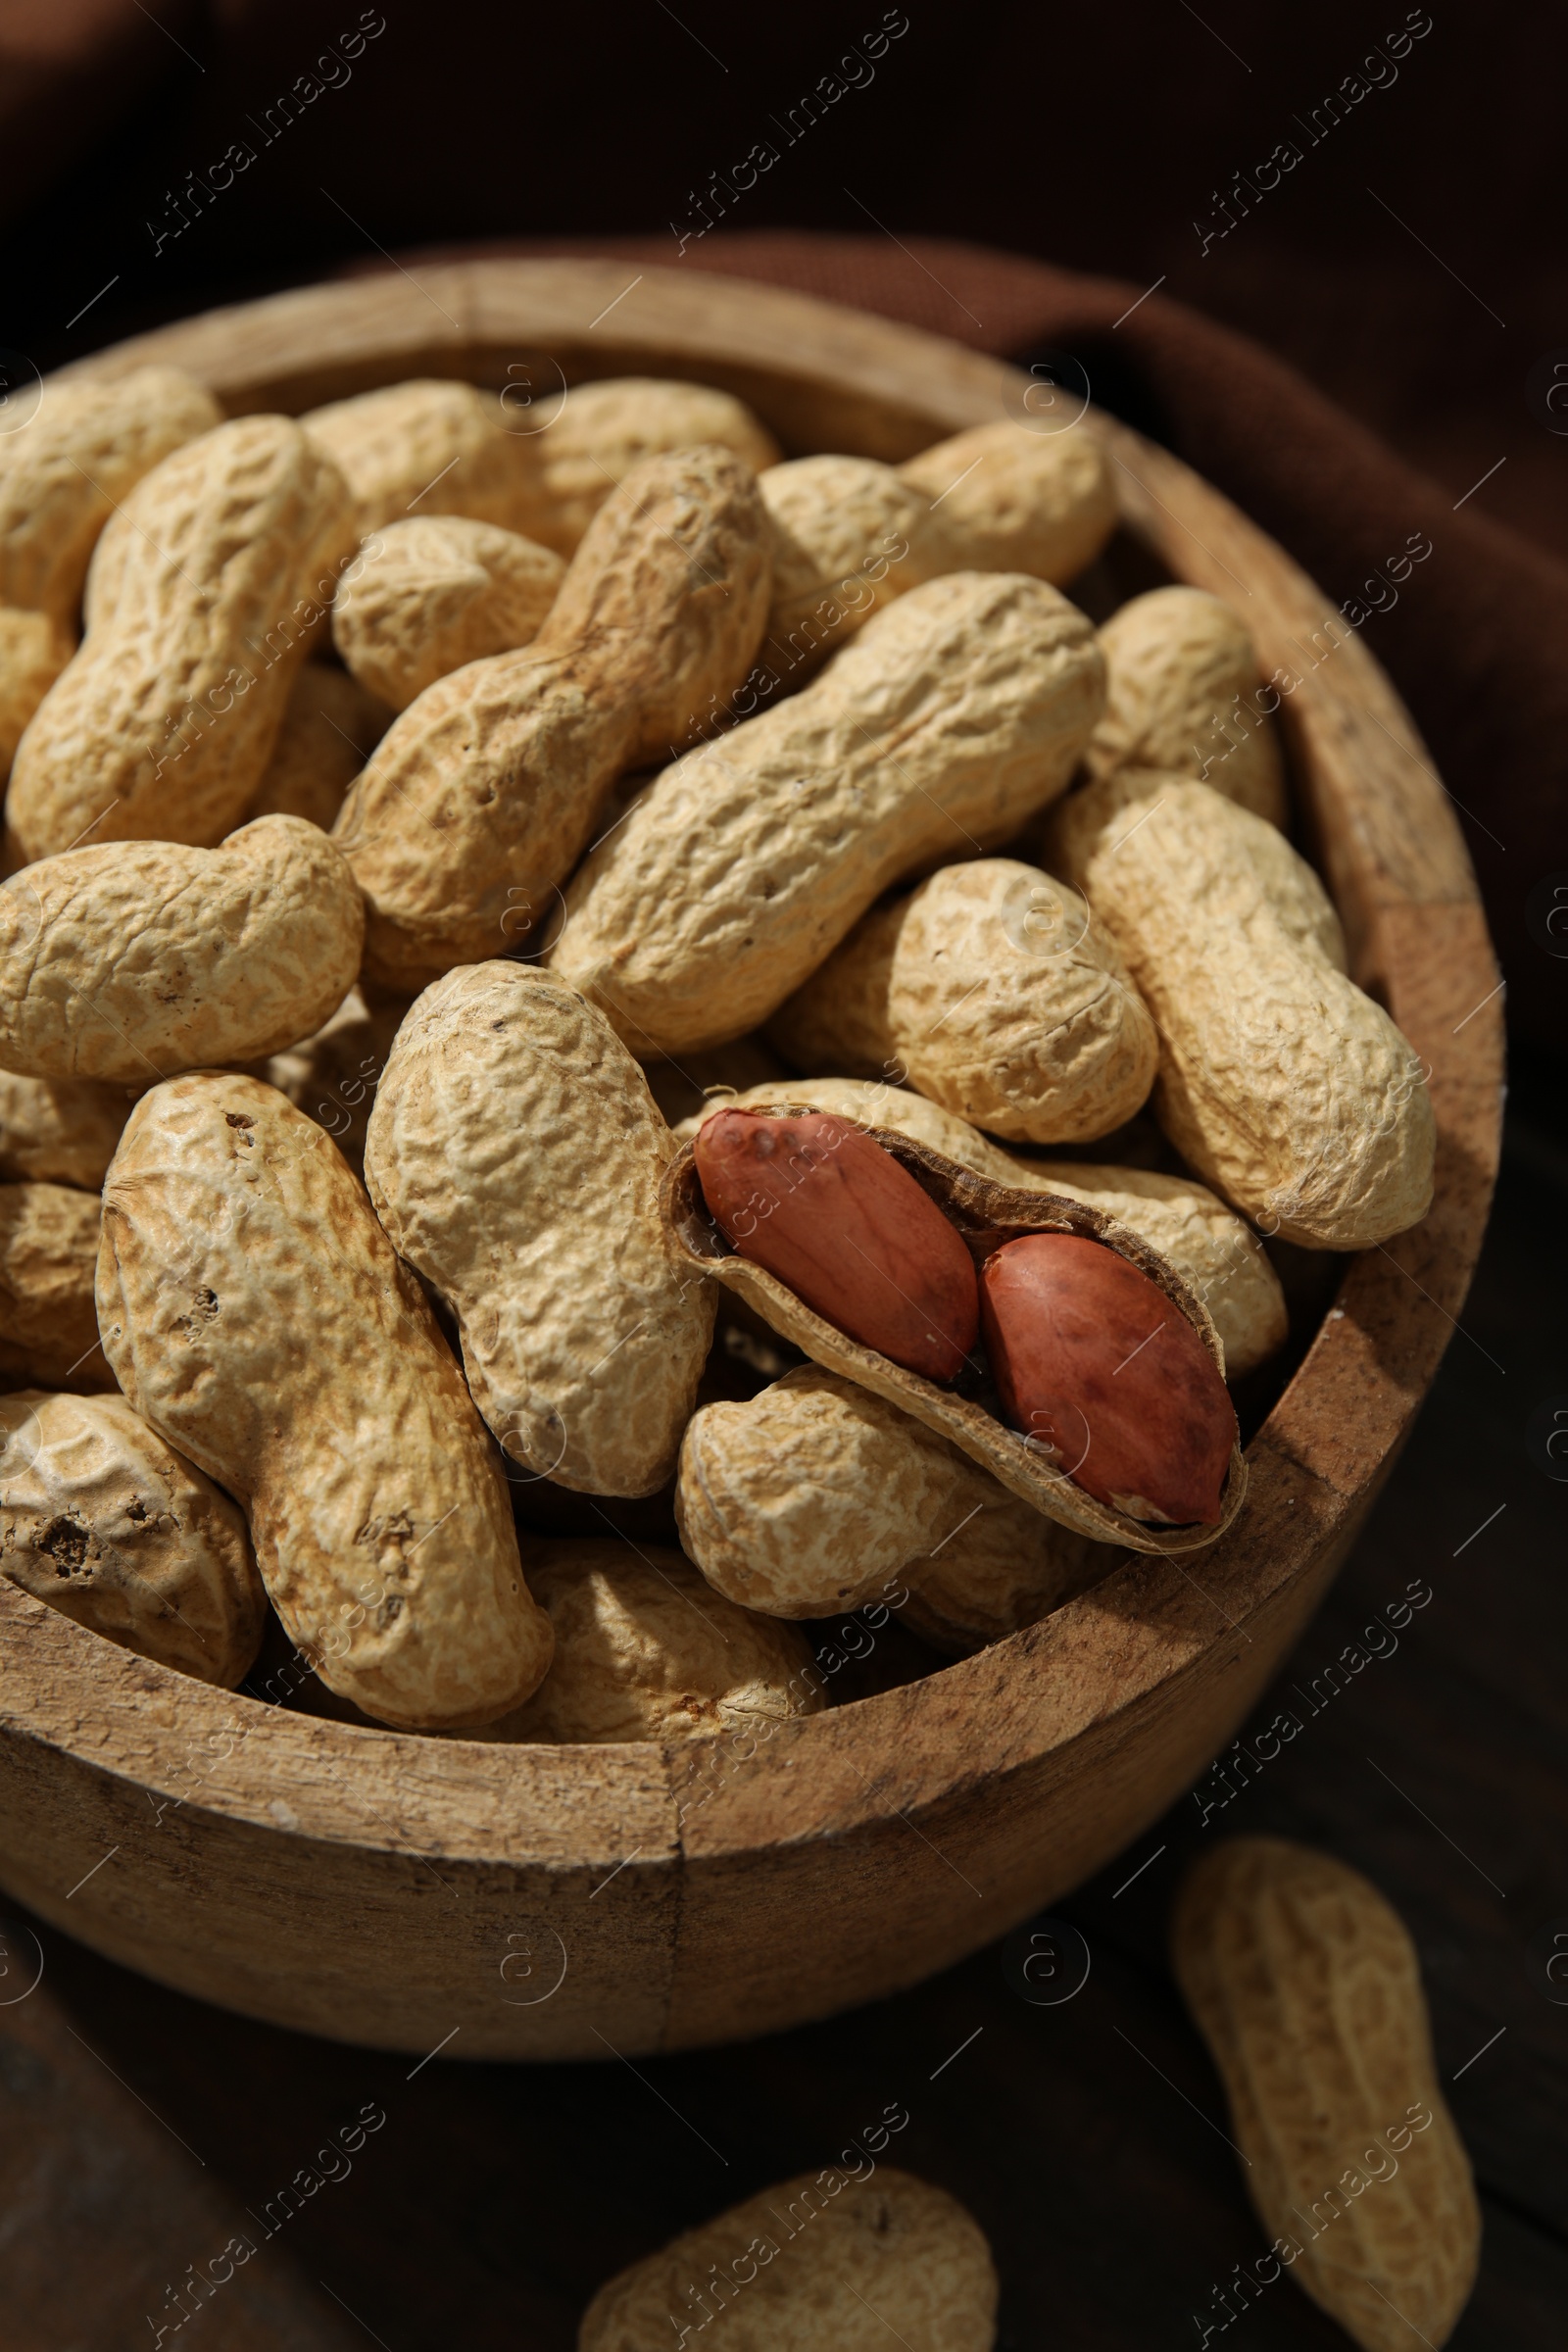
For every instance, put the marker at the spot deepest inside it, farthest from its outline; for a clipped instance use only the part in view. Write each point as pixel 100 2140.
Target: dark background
pixel 494 2200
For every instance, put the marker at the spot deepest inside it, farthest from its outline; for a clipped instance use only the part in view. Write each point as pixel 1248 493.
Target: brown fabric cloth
pixel 1478 642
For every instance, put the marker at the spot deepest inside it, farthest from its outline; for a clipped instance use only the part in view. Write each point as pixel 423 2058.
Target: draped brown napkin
pixel 1477 642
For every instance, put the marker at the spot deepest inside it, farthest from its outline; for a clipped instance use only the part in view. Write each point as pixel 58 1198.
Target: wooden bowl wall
pixel 542 1902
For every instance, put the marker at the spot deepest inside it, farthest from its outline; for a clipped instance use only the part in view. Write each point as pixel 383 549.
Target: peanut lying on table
pixel 59 1130
pixel 1220 1257
pixel 834 2261
pixel 48 1253
pixel 948 719
pixel 201 599
pixel 376 1501
pixel 486 790
pixel 106 1522
pixel 851 534
pixel 435 593
pixel 645 1650
pixel 1307 1987
pixel 330 728
pixel 542 465
pixel 818 1496
pixel 141 958
pixel 1179 668
pixel 1284 1086
pixel 997 993
pixel 514 1157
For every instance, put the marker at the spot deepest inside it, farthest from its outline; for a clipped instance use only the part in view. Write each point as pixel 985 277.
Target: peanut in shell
pixel 951 717
pixel 204 591
pixel 1307 1987
pixel 997 993
pixel 1182 696
pixel 435 592
pixel 48 1320
pixel 135 961
pixel 1279 1083
pixel 108 1524
pixel 514 1156
pixel 485 790
pixel 253 1312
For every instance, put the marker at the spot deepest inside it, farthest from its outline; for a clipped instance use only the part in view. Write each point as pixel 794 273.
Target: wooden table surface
pixel 143 2130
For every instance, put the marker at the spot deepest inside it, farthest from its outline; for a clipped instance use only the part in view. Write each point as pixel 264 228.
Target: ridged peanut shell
pixel 77 459
pixel 1181 688
pixel 48 1320
pixel 599 431
pixel 986 1215
pixel 817 1495
pixel 828 2262
pixel 255 1313
pixel 1001 998
pixel 204 591
pixel 486 790
pixel 514 1157
pixel 428 438
pixel 954 714
pixel 108 1524
pixel 1284 1087
pixel 1217 1255
pixel 645 1650
pixel 33 651
pixel 330 728
pixel 59 1130
pixel 849 537
pixel 1013 500
pixel 1305 1985
pixel 434 592
pixel 135 961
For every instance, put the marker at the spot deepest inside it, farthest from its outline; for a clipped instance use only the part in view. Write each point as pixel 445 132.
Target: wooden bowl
pixel 541 1902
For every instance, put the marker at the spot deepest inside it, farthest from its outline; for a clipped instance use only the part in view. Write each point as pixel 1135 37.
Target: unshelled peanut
pixel 33 651
pixel 106 1522
pixel 436 592
pixel 951 717
pixel 539 460
pixel 835 2261
pixel 202 596
pixel 1305 1985
pixel 817 1495
pixel 486 790
pixel 645 1650
pixel 63 475
pixel 1280 1082
pixel 48 1253
pixel 256 1314
pixel 851 534
pixel 999 997
pixel 514 1157
pixel 135 961
pixel 1182 696
pixel 1216 1254
pixel 60 1130
pixel 599 433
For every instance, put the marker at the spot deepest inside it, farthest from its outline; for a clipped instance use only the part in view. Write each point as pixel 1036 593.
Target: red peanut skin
pixel 1068 1328
pixel 849 1232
